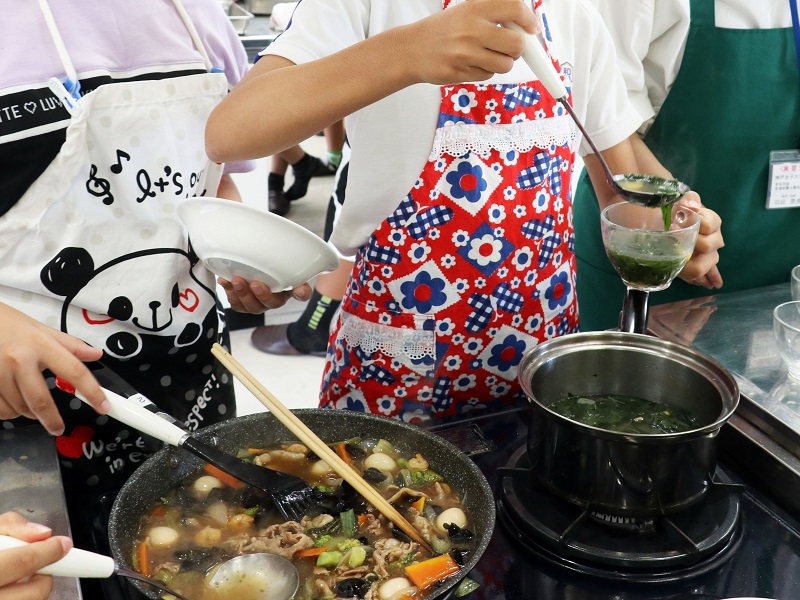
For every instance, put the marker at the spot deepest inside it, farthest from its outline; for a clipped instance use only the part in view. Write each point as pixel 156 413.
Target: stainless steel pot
pixel 619 473
pixel 161 471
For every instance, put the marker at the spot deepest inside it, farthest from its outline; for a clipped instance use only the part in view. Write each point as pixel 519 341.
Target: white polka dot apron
pixel 95 248
pixel 473 268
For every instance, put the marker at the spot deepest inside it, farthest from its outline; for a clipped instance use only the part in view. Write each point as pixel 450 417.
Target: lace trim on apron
pixel 391 341
pixel 459 138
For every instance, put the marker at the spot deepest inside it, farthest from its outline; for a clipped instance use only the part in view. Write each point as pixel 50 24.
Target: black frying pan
pixel 161 471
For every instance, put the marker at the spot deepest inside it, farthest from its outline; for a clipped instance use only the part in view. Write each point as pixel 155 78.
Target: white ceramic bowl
pixel 235 240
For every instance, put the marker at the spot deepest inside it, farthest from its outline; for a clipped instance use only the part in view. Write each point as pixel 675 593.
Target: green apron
pixel 735 99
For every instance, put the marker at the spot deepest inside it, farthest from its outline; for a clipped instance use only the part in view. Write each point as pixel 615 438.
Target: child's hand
pixel 702 267
pixel 255 297
pixel 466 43
pixel 19 565
pixel 28 347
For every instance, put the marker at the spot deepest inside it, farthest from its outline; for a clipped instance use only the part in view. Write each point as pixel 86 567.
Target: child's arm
pixel 279 104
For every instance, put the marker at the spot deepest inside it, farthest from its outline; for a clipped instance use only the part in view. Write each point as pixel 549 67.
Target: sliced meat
pixel 283 539
pixel 389 550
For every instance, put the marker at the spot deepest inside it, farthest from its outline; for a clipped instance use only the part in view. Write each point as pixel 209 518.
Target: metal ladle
pixel 275 577
pixel 647 190
pixel 279 576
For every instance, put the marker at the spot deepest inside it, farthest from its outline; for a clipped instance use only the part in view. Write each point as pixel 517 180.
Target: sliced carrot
pixel 159 511
pixel 362 518
pixel 144 559
pixel 428 572
pixel 419 503
pixel 341 450
pixel 306 552
pixel 228 480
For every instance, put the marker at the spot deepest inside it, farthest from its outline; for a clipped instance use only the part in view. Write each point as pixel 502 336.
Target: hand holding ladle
pixel 647 190
pixel 279 573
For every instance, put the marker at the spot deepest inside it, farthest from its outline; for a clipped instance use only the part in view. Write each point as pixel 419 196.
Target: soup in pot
pixel 626 414
pixel 344 549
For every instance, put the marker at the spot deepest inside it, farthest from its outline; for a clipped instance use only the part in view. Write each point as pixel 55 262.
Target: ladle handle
pixel 537 59
pixel 133 412
pixel 76 563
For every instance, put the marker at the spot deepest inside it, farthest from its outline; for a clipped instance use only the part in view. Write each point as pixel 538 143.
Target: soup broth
pixel 345 549
pixel 647 262
pixel 625 414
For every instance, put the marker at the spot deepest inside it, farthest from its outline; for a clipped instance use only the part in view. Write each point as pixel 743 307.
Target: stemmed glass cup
pixel 786 326
pixel 648 247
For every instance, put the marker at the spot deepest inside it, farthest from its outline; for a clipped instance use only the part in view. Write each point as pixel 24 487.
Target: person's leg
pixel 306 166
pixel 278 203
pixel 334 136
pixel 309 334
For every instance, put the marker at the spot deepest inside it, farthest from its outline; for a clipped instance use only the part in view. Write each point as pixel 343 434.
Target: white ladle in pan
pixel 277 576
pixel 647 190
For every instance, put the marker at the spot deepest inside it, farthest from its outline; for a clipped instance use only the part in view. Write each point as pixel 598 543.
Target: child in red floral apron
pixel 473 269
pixel 460 275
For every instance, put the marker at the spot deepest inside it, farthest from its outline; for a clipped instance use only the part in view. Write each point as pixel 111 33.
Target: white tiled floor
pixel 294 380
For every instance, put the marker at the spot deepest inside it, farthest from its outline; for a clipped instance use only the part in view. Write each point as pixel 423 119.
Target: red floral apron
pixel 474 267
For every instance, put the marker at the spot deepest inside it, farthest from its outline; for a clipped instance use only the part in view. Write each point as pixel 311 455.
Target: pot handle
pixel 76 563
pixel 133 412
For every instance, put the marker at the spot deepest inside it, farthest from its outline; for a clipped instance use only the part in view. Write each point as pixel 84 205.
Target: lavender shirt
pixel 107 40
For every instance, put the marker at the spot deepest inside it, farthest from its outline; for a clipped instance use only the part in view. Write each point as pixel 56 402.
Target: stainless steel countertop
pixel 736 330
pixel 31 486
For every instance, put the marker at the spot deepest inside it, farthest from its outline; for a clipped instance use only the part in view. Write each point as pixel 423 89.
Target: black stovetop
pixel 761 559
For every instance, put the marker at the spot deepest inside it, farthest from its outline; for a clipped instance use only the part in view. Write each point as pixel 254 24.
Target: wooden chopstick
pixel 320 448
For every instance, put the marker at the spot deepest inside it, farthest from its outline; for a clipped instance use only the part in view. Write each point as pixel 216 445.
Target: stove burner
pixel 632 524
pixel 652 549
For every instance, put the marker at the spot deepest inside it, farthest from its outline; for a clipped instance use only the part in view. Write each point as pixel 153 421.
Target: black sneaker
pixel 278 203
pixel 308 167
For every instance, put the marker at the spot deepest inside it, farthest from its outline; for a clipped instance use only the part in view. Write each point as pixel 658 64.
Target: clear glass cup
pixel 786 327
pixel 647 255
pixel 796 283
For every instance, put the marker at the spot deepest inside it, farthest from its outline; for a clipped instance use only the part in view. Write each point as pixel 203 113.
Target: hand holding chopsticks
pixel 320 448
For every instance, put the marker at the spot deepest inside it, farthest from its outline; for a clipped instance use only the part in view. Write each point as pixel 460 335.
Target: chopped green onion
pixel 329 559
pixel 349 523
pixel 357 557
pixel 467 586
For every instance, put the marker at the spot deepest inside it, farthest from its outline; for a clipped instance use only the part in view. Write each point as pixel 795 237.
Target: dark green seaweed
pixel 625 414
pixel 645 272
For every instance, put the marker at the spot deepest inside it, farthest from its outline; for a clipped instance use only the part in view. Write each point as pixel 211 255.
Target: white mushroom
pixel 394 588
pixel 451 515
pixel 162 536
pixel 380 461
pixel 203 485
pixel 320 468
pixel 297 449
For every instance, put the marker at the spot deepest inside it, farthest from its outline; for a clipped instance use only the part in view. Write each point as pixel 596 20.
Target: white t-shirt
pixel 651 38
pixel 392 138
